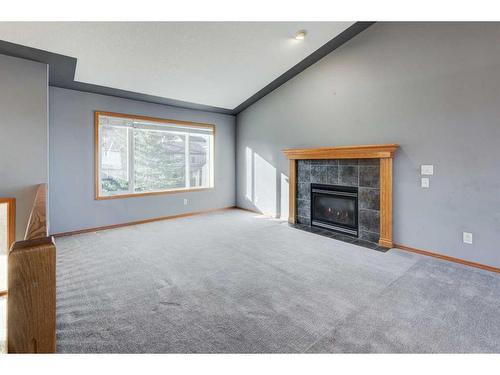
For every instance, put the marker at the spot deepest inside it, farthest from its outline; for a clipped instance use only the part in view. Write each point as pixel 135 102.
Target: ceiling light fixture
pixel 300 35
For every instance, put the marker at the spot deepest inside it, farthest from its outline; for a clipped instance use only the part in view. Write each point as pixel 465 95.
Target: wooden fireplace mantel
pixel 342 152
pixel 383 152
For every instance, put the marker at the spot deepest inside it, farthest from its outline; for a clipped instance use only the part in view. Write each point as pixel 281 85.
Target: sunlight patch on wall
pixel 249 173
pixel 261 183
pixel 264 186
pixel 284 194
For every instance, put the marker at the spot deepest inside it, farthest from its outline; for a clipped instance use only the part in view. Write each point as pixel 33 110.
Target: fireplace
pixel 335 208
pixel 366 167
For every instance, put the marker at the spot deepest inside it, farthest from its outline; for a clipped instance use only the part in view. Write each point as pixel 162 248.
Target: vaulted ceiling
pixel 218 64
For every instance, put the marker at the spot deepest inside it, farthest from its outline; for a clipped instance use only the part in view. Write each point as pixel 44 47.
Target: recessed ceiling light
pixel 301 35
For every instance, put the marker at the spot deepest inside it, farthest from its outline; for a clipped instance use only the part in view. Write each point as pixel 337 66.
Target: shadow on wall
pixel 266 190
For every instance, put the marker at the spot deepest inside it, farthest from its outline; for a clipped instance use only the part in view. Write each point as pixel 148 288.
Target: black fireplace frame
pixel 345 192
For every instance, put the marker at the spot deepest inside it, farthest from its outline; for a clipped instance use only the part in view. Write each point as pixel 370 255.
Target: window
pixel 138 155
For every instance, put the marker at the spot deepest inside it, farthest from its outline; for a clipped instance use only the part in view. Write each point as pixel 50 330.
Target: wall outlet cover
pixel 427 170
pixel 425 182
pixel 467 238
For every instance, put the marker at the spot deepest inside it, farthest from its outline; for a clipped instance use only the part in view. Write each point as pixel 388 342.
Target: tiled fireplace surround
pixel 367 167
pixel 361 173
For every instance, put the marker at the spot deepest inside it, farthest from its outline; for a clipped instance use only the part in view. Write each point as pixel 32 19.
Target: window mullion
pixel 211 155
pixel 186 160
pixel 131 145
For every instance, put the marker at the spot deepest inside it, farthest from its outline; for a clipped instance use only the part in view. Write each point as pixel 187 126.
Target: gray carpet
pixel 234 282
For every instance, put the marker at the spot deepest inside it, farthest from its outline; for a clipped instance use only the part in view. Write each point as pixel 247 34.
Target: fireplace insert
pixel 335 208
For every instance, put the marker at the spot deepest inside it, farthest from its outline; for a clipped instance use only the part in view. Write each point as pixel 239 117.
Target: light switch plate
pixel 467 238
pixel 427 170
pixel 425 182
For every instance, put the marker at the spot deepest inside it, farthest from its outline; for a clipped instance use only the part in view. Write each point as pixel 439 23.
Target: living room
pixel 250 187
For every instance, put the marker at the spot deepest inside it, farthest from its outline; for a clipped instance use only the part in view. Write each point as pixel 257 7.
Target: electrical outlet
pixel 427 170
pixel 467 238
pixel 425 182
pixel 185 202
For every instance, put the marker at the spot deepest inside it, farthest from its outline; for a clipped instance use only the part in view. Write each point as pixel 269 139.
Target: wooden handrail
pixel 37 223
pixel 31 304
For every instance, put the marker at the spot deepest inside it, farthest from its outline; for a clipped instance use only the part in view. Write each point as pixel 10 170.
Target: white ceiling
pixel 219 64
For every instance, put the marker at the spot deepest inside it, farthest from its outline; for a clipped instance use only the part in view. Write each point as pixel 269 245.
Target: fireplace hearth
pixel 335 207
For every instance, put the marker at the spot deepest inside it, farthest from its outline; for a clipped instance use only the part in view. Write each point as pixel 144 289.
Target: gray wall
pixel 71 132
pixel 433 88
pixel 23 133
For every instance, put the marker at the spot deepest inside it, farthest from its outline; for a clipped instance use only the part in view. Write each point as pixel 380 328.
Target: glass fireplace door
pixel 335 207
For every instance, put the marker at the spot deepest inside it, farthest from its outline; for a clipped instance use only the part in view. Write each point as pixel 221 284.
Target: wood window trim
pixel 11 225
pixel 11 219
pixel 98 196
pixel 383 152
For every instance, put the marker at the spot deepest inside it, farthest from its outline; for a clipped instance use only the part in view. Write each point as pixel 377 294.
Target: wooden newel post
pixel 31 304
pixel 31 316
